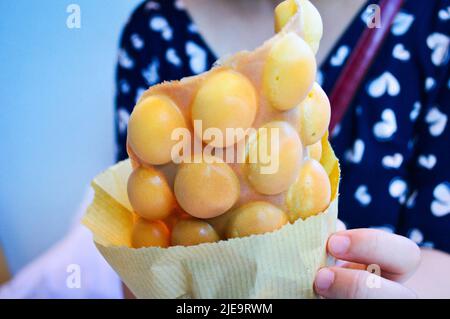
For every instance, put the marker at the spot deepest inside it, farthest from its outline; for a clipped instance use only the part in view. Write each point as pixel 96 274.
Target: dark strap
pixel 360 61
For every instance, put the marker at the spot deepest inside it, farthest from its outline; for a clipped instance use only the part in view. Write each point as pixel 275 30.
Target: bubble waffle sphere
pixel 226 99
pixel 283 13
pixel 149 194
pixel 314 115
pixel 312 24
pixel 193 232
pixel 149 234
pixel 206 186
pixel 255 218
pixel 311 193
pixel 274 158
pixel 310 18
pixel 150 127
pixel 289 72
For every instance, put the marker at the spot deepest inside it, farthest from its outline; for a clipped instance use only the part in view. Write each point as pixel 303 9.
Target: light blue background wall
pixel 56 115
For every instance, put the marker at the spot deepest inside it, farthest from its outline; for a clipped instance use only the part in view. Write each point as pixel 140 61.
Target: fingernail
pixel 324 279
pixel 338 244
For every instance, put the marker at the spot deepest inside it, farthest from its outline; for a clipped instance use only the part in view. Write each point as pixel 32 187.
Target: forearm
pixel 432 278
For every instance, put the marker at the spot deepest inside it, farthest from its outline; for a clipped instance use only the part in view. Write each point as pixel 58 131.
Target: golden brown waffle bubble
pixel 255 218
pixel 310 20
pixel 273 159
pixel 149 194
pixel 150 127
pixel 314 115
pixel 179 140
pixel 289 72
pixel 150 234
pixel 283 13
pixel 206 188
pixel 193 232
pixel 311 192
pixel 225 99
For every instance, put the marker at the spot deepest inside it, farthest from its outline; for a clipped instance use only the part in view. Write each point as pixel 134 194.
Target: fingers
pixel 397 256
pixel 343 283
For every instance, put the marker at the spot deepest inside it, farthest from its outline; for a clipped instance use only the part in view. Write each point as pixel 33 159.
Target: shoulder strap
pixel 360 61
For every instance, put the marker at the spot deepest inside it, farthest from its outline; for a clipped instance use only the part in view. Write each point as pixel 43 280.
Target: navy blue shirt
pixel 394 141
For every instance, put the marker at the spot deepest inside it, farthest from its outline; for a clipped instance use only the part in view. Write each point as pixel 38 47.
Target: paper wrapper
pixel 281 264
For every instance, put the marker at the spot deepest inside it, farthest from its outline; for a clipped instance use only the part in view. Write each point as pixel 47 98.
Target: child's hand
pixel 395 256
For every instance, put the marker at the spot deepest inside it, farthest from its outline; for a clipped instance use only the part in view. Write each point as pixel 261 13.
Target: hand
pixel 397 257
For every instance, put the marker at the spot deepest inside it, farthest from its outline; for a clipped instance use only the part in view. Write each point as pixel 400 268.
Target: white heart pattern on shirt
pixel 400 52
pixel 362 195
pixel 150 73
pixel 355 155
pixel 429 83
pixel 412 199
pixel 197 57
pixel 339 57
pixel 427 161
pixel 172 57
pixel 192 27
pixel 402 23
pixel 336 130
pixel 386 82
pixel 384 129
pixel 160 24
pixel 122 117
pixel 124 87
pixel 394 161
pixel 438 43
pixel 367 15
pixel 441 204
pixel 415 111
pixel 437 121
pixel 124 60
pixel 136 41
pixel 444 14
pixel 398 189
pixel 415 235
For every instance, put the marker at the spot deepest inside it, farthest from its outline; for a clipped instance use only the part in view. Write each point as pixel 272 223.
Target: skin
pixel 223 39
pixel 406 270
pixel 397 256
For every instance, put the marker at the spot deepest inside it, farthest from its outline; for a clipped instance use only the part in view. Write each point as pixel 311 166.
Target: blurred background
pixel 56 119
